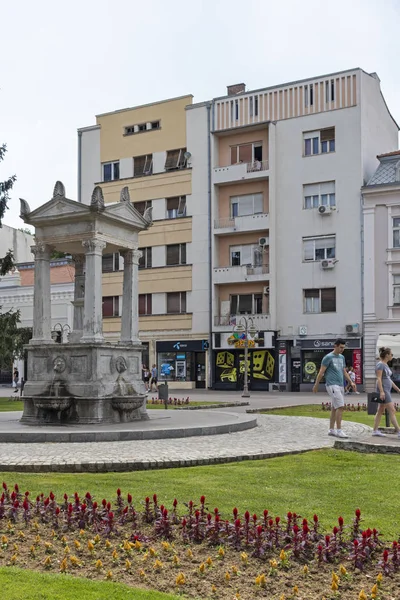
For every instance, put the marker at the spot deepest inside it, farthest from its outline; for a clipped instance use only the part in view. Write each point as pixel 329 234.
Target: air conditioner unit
pixel 353 328
pixel 266 290
pixel 328 263
pixel 324 210
pixel 263 241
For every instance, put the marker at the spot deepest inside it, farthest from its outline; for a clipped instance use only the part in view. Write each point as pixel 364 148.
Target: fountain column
pixel 130 297
pixel 42 295
pixel 79 294
pixel 93 303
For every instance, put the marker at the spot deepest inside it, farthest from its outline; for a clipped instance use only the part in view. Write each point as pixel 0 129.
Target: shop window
pixel 320 300
pixel 176 302
pixel 242 304
pixel 248 204
pixel 175 366
pixel 176 254
pixel 146 259
pixel 176 207
pixel 110 262
pixel 110 306
pixel 145 304
pixel 319 248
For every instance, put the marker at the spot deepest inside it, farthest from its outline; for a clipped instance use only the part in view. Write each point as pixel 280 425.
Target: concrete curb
pixel 366 448
pixel 221 405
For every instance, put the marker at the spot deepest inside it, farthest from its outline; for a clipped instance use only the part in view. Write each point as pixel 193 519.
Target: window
pixel 319 142
pixel 396 289
pixel 141 127
pixel 234 110
pixel 176 302
pixel 110 262
pixel 145 304
pixel 309 95
pixel 396 232
pixel 319 248
pixel 176 254
pixel 142 206
pixel 249 204
pixel 320 300
pixel 250 304
pixel 143 165
pixel 176 207
pixel 248 254
pixel 145 261
pixel 319 194
pixel 110 171
pixel 330 91
pixel 175 159
pixel 253 100
pixel 246 153
pixel 111 306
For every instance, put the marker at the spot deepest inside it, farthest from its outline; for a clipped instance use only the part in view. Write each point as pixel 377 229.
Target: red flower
pixel 305 522
pixel 25 504
pixel 341 521
pixel 190 504
pixel 216 511
pixel 335 531
pixel 57 510
pixel 4 486
pixel 16 504
pixel 394 545
pixel 65 497
pixel 147 499
pixel 358 513
pixel 197 514
pixel 94 505
pixel 289 516
pixel 37 498
pixel 125 510
pixel 327 539
pixel 118 492
pixel 247 516
pixel 155 498
pixel 88 496
pixel 129 498
pixel 16 488
pixel 315 518
pixel 83 507
pixel 237 523
pixel 202 499
pixel 295 529
pixel 217 518
pixel 277 520
pixel 47 501
pixel 235 512
pixel 209 517
pixel 108 506
pixel 355 543
pixel 162 507
pixel 52 496
pixel 255 519
pixel 111 516
pixel 259 529
pixel 175 503
pixel 26 494
pixel 165 513
pixel 385 555
pixel 184 522
pixel 305 528
pixel 265 513
pixel 104 502
pixel 13 496
pixel 270 522
pixel 70 509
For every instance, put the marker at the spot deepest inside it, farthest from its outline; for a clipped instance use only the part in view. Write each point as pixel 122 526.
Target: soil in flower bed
pixel 199 555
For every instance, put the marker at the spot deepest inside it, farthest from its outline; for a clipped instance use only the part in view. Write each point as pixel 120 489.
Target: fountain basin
pixel 52 403
pixel 126 403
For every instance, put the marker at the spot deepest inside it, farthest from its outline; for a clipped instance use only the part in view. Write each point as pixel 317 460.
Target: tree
pixel 6 262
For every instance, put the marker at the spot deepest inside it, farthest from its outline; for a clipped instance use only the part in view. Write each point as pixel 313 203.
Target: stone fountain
pixel 85 379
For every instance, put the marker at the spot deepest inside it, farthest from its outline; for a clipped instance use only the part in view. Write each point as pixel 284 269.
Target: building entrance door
pixel 200 369
pixel 296 375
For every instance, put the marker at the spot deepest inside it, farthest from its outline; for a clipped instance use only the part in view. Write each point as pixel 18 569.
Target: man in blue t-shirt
pixel 334 368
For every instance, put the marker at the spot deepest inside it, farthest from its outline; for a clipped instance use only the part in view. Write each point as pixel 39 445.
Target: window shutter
pixel 107 263
pixel 313 293
pixel 245 205
pixel 142 304
pixel 149 257
pixel 173 203
pixel 173 301
pixel 325 242
pixel 328 187
pixel 183 254
pixel 327 134
pixel 258 204
pixel 172 159
pixel 308 249
pixel 246 304
pixel 234 305
pixel 183 302
pixel 173 254
pixel 328 300
pixel 138 165
pixel 108 306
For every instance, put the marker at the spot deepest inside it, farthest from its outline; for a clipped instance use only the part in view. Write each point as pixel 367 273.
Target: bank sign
pixel 324 344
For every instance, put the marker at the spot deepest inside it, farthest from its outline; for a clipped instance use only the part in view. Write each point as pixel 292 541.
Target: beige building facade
pixel 146 149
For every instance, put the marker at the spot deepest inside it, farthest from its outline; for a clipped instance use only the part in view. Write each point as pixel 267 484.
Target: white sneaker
pixel 358 393
pixel 332 432
pixel 379 433
pixel 340 433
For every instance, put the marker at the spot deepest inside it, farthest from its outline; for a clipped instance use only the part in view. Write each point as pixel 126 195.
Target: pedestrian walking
pixel 333 367
pixel 15 380
pixel 154 378
pixel 146 377
pixel 384 385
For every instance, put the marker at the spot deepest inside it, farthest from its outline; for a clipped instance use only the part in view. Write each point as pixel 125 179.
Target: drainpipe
pixel 210 284
pixel 79 166
pixel 362 285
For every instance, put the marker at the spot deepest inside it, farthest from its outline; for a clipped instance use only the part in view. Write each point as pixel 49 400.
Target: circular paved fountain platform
pixel 162 424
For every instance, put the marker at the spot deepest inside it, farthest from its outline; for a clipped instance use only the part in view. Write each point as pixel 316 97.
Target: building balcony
pixel 231 225
pixel 241 172
pixel 240 274
pixel 226 323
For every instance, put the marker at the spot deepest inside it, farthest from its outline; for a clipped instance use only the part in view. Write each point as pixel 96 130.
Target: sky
pixel 63 63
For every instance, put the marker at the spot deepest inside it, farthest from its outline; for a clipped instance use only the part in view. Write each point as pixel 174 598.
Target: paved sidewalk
pixel 274 436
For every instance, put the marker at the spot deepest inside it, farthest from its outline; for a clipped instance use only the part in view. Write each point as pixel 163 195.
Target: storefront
pixel 229 364
pixel 182 363
pixel 313 351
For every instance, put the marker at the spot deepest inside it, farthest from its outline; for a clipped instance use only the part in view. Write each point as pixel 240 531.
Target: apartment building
pixel 287 164
pixel 148 149
pixel 381 249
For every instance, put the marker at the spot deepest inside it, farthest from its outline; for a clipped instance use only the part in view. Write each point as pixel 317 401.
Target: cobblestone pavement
pixel 274 436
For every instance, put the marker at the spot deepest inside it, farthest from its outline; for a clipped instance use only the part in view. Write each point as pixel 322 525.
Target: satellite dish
pixel 187 155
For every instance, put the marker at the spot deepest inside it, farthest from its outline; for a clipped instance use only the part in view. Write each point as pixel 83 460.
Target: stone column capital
pixel 41 251
pixel 131 257
pixel 93 246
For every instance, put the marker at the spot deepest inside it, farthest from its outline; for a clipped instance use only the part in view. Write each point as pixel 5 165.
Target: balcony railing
pixel 257 165
pixel 239 274
pixel 241 171
pixel 260 320
pixel 257 222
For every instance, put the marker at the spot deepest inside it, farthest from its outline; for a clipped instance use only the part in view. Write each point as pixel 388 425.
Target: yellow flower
pixel 16 548
pixel 189 553
pixel 374 591
pixel 13 559
pixel 273 563
pixel 235 570
pixel 362 595
pixel 108 544
pixel 213 589
pixel 53 533
pixel 166 546
pixel 109 575
pixel 379 578
pixel 97 539
pixel 128 564
pixel 334 586
pixel 295 590
pixel 138 545
pixel 176 560
pixel 335 578
pixel 47 561
pixel 158 565
pixel 63 565
pixel 99 565
pixel 282 555
pixel 244 558
pixel 282 597
pixel 21 535
pixel 67 550
pixel 32 550
pixel 145 556
pixel 74 561
pixel 263 580
pixel 37 539
pixel 142 574
pixel 64 540
pixel 180 580
pixel 90 546
pixel 77 544
pixel 227 576
pixel 202 568
pixel 115 555
pixel 35 525
pixel 4 539
pixel 221 552
pixel 152 552
pixel 127 546
pixel 306 570
pixel 82 532
pixel 343 570
pixel 209 561
pixel 237 596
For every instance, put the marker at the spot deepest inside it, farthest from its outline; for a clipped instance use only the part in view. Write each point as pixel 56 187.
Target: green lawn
pixel 7 404
pixel 17 584
pixel 315 410
pixel 327 482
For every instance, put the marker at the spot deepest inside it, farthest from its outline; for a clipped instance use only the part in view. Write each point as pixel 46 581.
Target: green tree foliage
pixel 6 262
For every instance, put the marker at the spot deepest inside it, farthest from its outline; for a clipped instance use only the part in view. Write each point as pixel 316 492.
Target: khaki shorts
pixel 336 393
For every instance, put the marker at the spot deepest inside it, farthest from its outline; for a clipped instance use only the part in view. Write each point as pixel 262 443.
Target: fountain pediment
pixel 56 208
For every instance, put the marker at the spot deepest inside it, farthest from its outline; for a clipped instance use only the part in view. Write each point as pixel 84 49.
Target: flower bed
pixel 360 406
pixel 171 401
pixel 197 551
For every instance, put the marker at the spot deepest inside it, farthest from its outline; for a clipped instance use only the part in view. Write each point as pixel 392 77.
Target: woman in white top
pixel 384 386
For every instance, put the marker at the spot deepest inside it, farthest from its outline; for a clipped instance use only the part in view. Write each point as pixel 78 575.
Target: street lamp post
pixel 246 326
